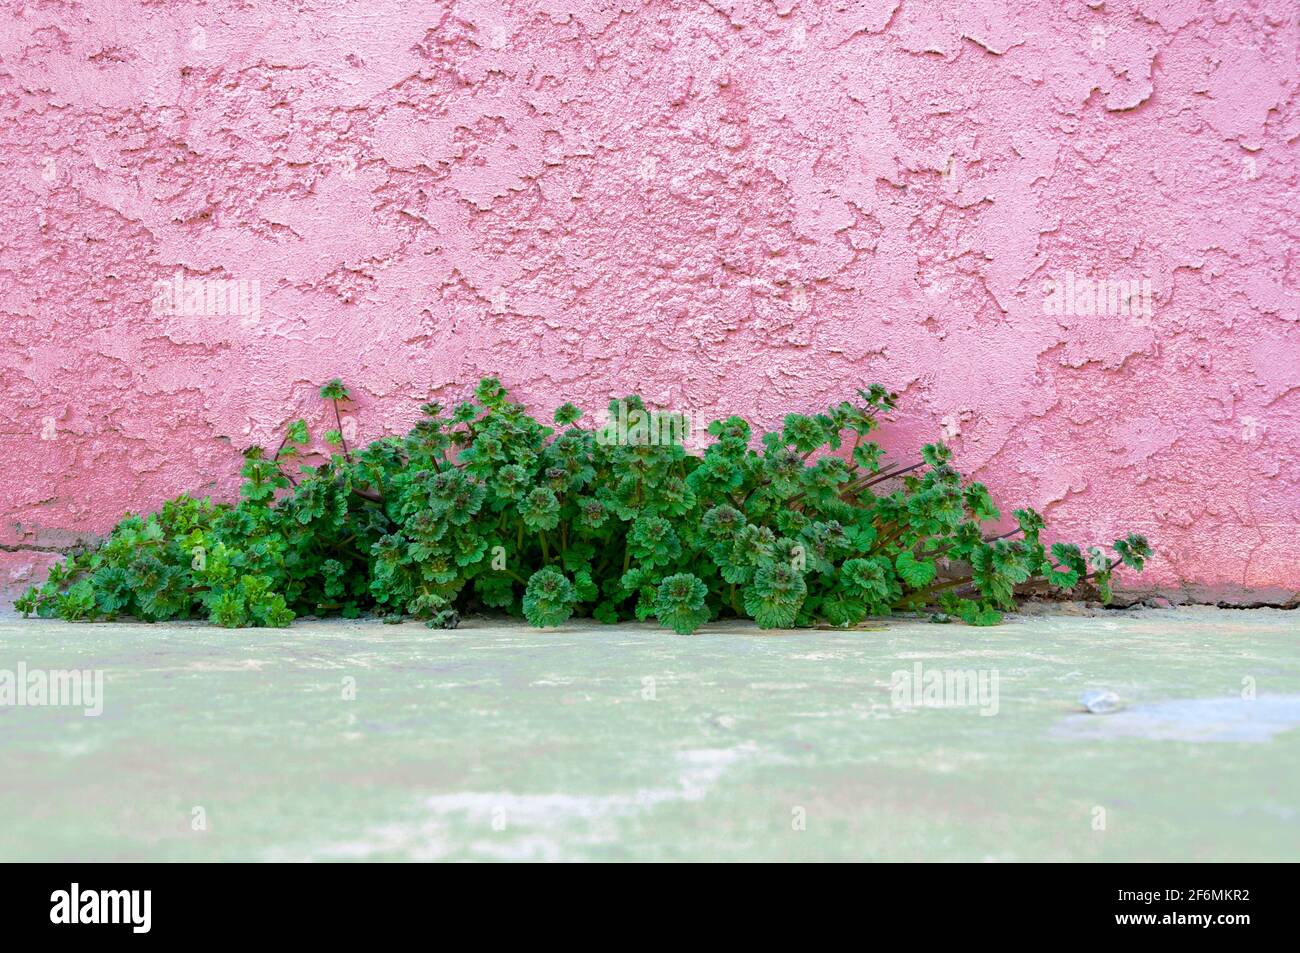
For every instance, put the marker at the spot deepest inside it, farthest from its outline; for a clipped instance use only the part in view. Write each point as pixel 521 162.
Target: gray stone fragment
pixel 1100 702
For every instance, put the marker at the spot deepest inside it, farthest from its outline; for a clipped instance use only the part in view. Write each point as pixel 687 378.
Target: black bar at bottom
pixel 332 903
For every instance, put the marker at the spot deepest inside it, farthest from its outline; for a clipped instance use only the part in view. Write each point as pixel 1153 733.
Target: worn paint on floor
pixel 499 742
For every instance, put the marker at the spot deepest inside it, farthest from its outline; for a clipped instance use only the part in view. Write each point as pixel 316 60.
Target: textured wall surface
pixel 742 206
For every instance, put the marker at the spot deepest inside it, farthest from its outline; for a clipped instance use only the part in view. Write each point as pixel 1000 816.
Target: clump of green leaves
pixel 483 507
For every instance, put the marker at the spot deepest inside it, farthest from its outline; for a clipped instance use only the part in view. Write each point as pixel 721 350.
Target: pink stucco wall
pixel 731 206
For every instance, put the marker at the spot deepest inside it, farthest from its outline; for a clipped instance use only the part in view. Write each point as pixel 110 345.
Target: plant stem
pixel 881 477
pixel 339 422
pixel 940 553
pixel 940 587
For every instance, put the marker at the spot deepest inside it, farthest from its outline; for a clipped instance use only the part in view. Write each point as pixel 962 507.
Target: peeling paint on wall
pixel 744 206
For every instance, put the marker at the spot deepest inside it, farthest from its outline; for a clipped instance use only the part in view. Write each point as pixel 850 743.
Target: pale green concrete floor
pixel 499 742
